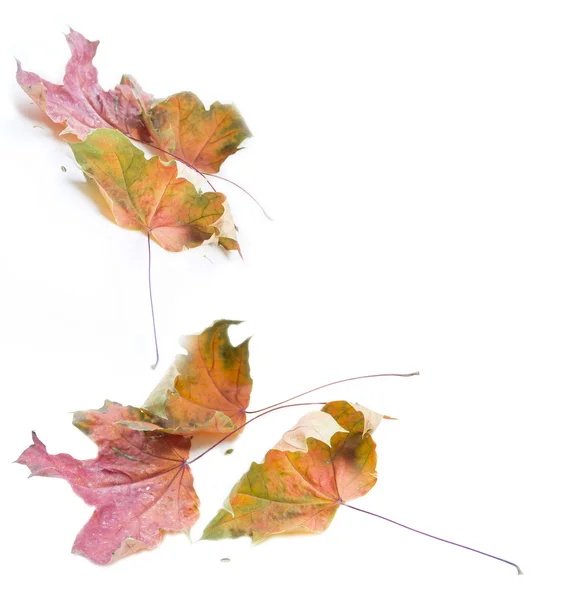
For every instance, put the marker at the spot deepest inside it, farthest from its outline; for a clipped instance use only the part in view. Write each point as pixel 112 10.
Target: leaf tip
pixel 187 534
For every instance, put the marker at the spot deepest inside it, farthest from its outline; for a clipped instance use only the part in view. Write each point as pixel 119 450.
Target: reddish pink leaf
pixel 81 103
pixel 140 483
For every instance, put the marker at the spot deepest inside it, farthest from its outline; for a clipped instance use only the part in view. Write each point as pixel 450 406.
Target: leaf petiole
pixel 153 366
pixel 435 537
pixel 242 189
pixel 250 412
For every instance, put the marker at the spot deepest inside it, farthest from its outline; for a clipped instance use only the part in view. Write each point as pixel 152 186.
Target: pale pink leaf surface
pixel 81 102
pixel 140 483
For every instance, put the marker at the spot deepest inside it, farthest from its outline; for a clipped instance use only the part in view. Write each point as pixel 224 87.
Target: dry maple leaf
pixel 148 195
pixel 301 490
pixel 208 389
pixel 139 483
pixel 203 139
pixel 80 102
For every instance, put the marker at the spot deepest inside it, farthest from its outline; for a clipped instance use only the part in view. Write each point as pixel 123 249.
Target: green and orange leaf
pixel 149 196
pixel 301 490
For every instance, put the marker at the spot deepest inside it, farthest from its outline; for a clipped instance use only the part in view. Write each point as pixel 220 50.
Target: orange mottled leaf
pixel 301 490
pixel 207 389
pixel 184 128
pixel 140 483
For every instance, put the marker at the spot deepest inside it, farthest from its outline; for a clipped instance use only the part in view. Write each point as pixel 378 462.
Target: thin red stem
pixel 435 537
pixel 243 190
pixel 278 406
pixel 250 412
pixel 192 460
pixel 152 306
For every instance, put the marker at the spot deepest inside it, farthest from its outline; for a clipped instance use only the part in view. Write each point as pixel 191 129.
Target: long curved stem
pixel 192 460
pixel 435 537
pixel 283 404
pixel 250 412
pixel 243 190
pixel 152 305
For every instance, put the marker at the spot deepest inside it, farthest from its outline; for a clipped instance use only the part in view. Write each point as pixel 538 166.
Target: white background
pixel 419 160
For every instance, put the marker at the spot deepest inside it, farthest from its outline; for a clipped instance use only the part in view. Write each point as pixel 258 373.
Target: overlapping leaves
pixel 144 195
pixel 141 485
pixel 179 125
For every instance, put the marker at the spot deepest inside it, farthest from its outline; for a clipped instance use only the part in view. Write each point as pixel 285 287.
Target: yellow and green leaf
pixel 147 194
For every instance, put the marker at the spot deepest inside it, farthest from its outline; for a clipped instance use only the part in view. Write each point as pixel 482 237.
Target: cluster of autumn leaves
pixel 141 483
pixel 144 195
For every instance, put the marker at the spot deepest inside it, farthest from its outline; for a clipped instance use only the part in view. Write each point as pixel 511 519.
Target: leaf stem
pixel 250 412
pixel 435 537
pixel 243 190
pixel 231 433
pixel 152 305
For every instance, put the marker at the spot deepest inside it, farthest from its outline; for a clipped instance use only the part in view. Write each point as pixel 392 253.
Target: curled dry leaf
pixel 148 195
pixel 300 491
pixel 317 424
pixel 140 484
pixel 80 102
pixel 207 389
